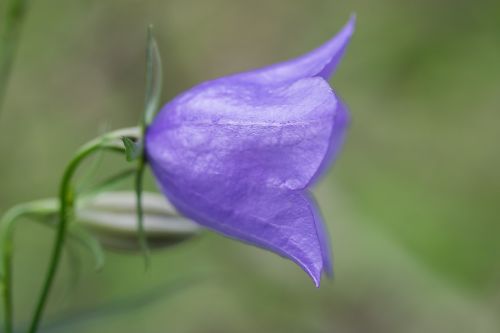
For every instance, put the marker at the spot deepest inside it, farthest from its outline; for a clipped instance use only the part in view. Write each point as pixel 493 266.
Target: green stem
pixel 139 209
pixel 66 200
pixel 9 40
pixel 7 223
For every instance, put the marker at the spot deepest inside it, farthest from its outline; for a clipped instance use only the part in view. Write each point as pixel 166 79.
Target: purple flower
pixel 238 154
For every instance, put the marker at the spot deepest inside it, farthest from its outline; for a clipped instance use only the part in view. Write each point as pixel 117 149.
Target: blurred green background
pixel 412 203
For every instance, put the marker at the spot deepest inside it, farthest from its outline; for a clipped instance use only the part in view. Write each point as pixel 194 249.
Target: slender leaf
pixel 90 243
pixel 153 78
pixel 106 184
pixel 79 235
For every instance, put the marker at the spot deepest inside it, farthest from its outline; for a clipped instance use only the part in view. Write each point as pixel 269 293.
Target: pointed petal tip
pixel 321 61
pixel 316 278
pixel 349 28
pixel 334 49
pixel 352 20
pixel 316 274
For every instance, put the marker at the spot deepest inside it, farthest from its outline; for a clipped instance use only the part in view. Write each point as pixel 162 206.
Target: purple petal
pixel 319 62
pixel 277 220
pixel 236 158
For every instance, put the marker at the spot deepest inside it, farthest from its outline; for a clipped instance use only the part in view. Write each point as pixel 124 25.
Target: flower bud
pixel 111 217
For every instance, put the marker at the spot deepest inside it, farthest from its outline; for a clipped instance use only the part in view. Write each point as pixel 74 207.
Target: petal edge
pixel 321 61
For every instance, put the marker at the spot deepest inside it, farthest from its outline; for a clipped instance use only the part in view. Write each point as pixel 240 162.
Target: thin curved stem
pixel 7 223
pixel 66 199
pixel 9 40
pixel 138 183
pixel 66 205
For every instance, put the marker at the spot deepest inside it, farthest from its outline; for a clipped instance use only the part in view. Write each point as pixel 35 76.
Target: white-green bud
pixel 111 217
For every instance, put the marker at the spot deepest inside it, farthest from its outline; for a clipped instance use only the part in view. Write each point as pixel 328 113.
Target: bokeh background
pixel 412 204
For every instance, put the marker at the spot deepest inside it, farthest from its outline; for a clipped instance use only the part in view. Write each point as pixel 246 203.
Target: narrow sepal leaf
pixel 153 78
pixel 79 235
pixel 90 243
pixel 107 184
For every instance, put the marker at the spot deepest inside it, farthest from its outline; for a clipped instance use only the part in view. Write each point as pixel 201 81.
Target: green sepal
pixel 90 242
pixel 76 234
pixel 133 149
pixel 106 185
pixel 153 78
pixel 152 102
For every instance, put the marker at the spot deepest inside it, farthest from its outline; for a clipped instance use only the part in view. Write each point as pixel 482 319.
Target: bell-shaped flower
pixel 238 154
